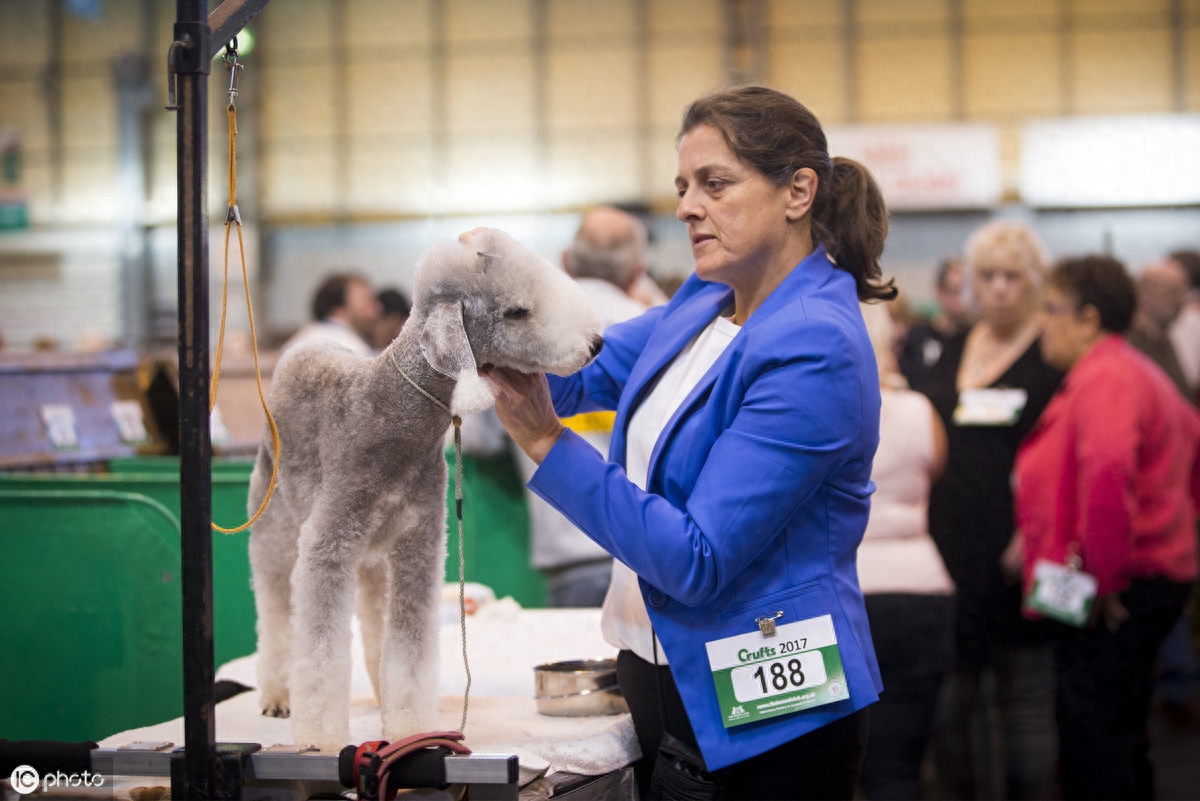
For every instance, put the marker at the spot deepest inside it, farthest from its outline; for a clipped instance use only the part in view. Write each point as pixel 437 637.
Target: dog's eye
pixel 516 313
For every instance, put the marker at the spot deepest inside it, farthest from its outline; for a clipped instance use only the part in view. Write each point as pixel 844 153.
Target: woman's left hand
pixel 1012 559
pixel 524 407
pixel 1112 613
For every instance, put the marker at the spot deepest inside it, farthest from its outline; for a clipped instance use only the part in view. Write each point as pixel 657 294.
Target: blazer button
pixel 657 598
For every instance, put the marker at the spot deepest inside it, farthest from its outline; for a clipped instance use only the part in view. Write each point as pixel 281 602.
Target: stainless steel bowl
pixel 578 687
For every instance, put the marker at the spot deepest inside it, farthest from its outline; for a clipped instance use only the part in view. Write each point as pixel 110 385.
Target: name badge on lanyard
pixel 990 407
pixel 777 669
pixel 1062 592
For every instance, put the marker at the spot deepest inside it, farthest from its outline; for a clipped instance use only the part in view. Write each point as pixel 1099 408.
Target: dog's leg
pixel 409 671
pixel 372 600
pixel 322 605
pixel 272 556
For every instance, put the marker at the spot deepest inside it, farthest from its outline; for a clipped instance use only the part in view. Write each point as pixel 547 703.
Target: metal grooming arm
pixel 490 777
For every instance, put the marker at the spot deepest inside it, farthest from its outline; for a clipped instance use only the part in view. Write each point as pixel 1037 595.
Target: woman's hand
pixel 524 407
pixel 1012 559
pixel 1111 612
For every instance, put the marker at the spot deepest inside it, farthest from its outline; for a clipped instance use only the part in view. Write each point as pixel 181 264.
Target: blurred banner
pixel 926 167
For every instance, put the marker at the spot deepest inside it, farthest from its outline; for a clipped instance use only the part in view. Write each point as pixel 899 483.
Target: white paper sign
pixel 127 414
pixel 59 419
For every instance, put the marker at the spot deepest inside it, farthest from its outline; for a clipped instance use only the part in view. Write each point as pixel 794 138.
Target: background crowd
pixel 1067 389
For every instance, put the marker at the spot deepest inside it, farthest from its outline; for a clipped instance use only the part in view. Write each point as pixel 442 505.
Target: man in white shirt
pixel 345 310
pixel 607 259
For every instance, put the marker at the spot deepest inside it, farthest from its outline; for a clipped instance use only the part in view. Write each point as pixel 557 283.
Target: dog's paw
pixel 326 741
pixel 275 701
pixel 276 710
pixel 408 722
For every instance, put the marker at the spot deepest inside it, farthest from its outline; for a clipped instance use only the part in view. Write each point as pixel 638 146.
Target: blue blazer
pixel 758 488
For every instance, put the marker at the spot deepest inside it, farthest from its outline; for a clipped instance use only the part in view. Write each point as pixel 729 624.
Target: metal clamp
pixel 174 55
pixel 230 57
pixel 766 623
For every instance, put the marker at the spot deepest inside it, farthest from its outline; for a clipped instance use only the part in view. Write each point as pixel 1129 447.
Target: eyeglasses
pixel 1057 309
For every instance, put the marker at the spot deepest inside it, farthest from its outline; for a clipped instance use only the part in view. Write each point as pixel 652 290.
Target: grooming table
pixel 504 643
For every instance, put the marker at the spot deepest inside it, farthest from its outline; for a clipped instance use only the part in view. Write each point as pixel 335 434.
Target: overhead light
pixel 245 44
pixel 1095 162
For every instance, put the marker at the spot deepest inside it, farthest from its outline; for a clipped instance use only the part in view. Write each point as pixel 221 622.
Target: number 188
pixel 781 676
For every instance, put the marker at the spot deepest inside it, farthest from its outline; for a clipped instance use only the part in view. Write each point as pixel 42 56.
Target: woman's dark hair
pixel 1101 282
pixel 776 135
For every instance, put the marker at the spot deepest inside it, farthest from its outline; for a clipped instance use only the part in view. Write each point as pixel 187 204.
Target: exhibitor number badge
pixel 759 677
pixel 1062 592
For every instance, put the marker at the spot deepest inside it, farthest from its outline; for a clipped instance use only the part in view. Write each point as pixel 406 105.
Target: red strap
pixel 398 750
pixel 361 764
pixel 388 750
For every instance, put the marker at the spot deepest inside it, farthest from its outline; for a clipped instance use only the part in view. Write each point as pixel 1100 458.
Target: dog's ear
pixel 445 346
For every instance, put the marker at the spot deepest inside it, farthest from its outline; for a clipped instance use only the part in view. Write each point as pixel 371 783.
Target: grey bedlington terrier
pixel 361 495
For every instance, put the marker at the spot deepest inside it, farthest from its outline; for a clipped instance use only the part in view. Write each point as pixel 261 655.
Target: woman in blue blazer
pixel 737 486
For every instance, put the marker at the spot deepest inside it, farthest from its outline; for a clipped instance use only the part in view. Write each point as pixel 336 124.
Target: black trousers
pixel 914 642
pixel 1105 680
pixel 822 764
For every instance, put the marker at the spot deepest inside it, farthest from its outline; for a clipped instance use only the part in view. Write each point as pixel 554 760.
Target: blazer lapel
pixel 685 322
pixel 677 329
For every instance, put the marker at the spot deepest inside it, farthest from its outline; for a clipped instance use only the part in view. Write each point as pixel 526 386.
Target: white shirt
pixel 332 331
pixel 1185 336
pixel 624 621
pixel 611 301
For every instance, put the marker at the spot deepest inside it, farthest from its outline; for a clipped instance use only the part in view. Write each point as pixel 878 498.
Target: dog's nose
pixel 597 344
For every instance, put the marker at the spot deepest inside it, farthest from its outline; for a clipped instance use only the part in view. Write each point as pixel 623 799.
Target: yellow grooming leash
pixel 234 217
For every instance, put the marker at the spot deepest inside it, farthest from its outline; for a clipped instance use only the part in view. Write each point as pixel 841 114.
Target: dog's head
pixel 486 299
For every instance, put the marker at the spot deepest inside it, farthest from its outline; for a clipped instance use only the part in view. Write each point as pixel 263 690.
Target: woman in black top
pixel 989 386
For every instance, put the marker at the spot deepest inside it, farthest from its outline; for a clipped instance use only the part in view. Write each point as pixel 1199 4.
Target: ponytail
pixel 850 218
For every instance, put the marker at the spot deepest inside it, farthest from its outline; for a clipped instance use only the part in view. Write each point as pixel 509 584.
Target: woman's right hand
pixel 525 409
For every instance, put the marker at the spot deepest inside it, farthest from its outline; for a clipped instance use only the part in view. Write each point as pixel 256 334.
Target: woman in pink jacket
pixel 1108 486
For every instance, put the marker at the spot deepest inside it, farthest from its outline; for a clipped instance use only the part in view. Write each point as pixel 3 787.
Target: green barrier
pixel 495 530
pixel 495 518
pixel 69 518
pixel 91 623
pixel 233 598
pixel 170 464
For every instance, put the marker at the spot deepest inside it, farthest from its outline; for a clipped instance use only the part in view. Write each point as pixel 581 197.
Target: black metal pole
pixel 191 66
pixel 197 773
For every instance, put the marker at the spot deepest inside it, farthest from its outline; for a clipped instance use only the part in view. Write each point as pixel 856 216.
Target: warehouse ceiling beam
pixel 199 771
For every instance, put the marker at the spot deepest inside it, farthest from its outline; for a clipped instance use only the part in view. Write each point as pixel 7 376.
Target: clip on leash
pixel 234 217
